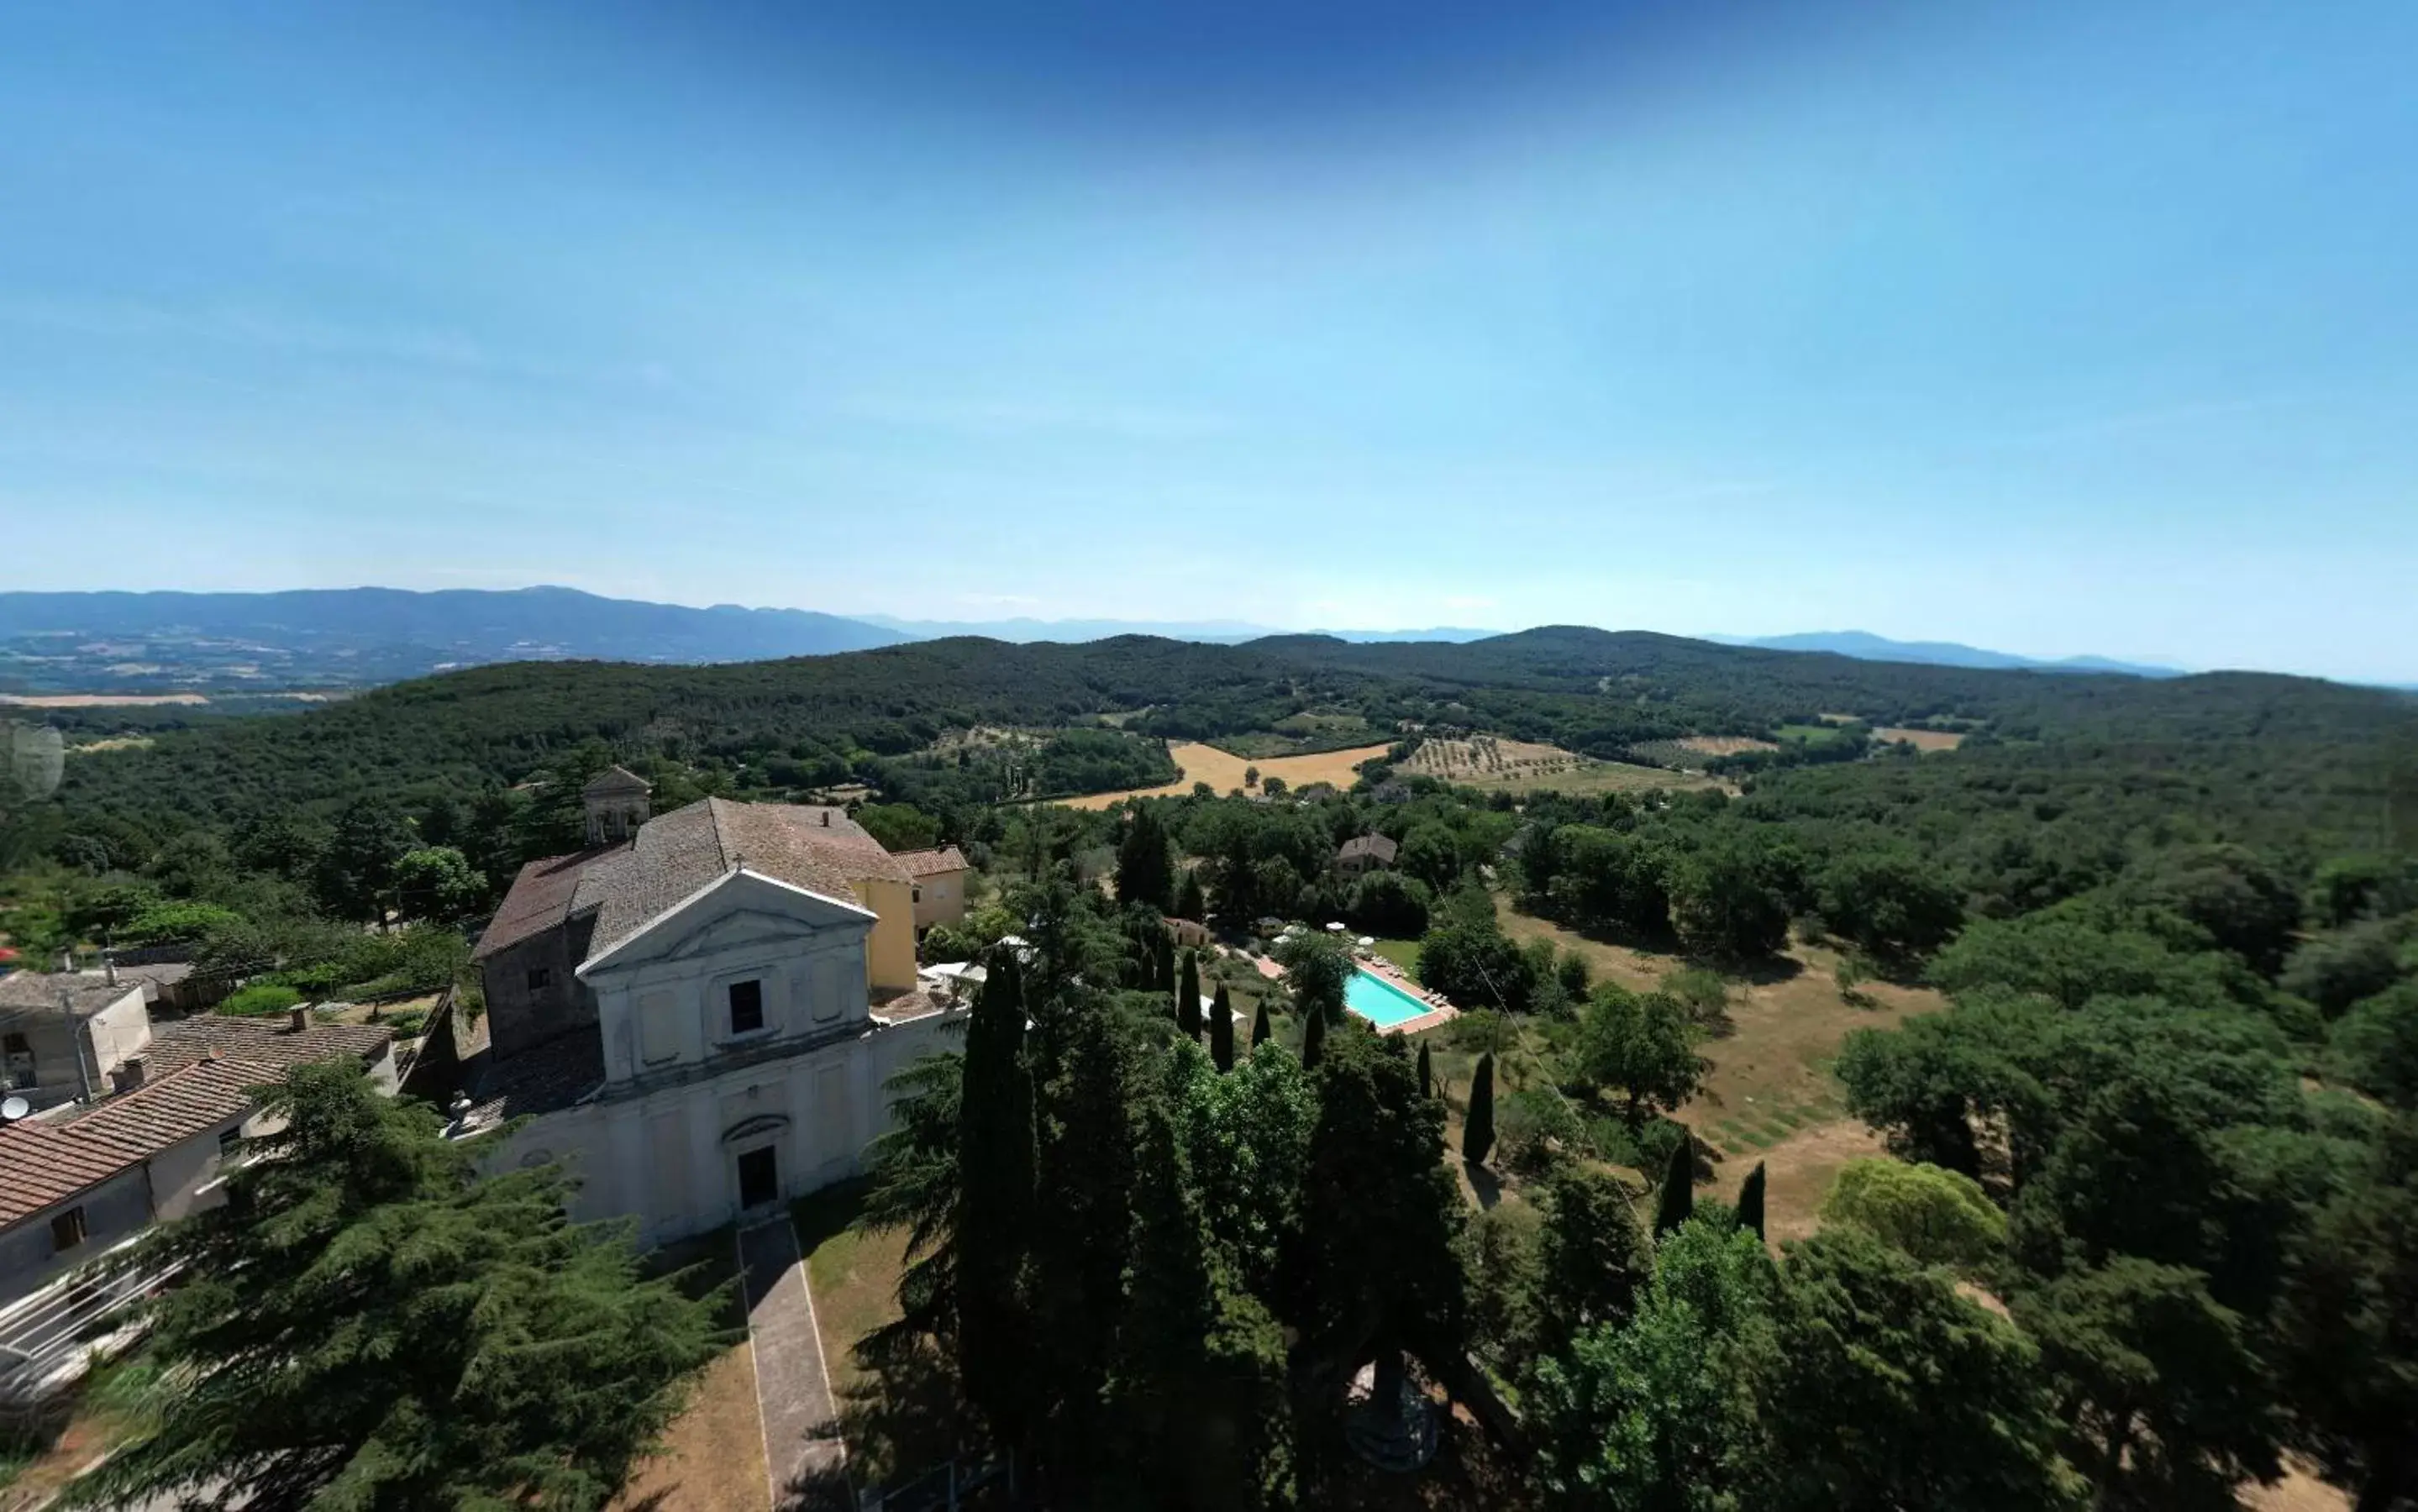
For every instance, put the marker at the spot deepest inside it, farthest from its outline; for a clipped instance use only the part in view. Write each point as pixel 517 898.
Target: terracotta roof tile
pixel 87 995
pixel 540 898
pixel 818 849
pixel 1369 845
pixel 932 862
pixel 204 1080
pixel 616 780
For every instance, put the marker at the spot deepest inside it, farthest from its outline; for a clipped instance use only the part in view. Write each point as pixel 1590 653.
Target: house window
pixel 540 978
pixel 67 1231
pixel 229 1140
pixel 918 894
pixel 746 1007
pixel 16 1062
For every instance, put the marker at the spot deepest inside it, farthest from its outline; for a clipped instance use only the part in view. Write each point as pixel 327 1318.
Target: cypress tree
pixel 1750 1201
pixel 1190 902
pixel 1259 1028
pixel 1477 1130
pixel 1426 1073
pixel 1677 1202
pixel 1164 980
pixel 1146 862
pixel 1313 1037
pixel 995 1172
pixel 1221 1030
pixel 1187 996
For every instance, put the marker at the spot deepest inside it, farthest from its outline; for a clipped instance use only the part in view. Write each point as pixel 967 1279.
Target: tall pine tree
pixel 1478 1129
pixel 1313 1037
pixel 1196 1388
pixel 1146 861
pixel 1426 1073
pixel 1261 1029
pixel 1187 996
pixel 1190 902
pixel 1677 1202
pixel 1221 1030
pixel 1088 1171
pixel 995 1166
pixel 1750 1201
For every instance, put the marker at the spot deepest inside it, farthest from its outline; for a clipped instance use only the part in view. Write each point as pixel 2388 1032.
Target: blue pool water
pixel 1379 1001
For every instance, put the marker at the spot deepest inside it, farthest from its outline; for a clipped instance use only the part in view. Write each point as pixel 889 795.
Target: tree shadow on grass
pixel 1768 971
pixel 905 1413
pixel 1487 1185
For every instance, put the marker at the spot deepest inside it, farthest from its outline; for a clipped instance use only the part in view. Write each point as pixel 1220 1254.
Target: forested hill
pixel 1592 690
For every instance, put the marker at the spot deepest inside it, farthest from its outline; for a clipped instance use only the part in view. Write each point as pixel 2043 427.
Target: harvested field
pixel 1724 744
pixel 101 700
pixel 1223 771
pixel 1924 740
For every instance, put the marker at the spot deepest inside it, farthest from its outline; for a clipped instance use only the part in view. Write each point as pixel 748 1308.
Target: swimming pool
pixel 1379 1001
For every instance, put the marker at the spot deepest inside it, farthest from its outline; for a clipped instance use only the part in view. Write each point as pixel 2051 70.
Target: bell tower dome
pixel 616 800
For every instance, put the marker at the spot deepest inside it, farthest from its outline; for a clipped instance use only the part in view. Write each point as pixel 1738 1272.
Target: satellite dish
pixel 15 1108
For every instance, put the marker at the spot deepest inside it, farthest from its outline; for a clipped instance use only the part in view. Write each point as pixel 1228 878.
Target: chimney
pixel 129 1073
pixel 108 966
pixel 826 818
pixel 301 1018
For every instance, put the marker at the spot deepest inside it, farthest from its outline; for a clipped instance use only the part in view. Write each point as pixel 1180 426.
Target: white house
pixel 736 1058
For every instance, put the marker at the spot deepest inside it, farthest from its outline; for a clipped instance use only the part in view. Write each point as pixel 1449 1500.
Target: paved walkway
pixel 803 1451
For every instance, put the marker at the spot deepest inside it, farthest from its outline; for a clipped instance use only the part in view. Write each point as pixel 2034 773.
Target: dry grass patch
pixel 1718 746
pixel 1924 740
pixel 713 1456
pixel 1771 1094
pixel 1799 1172
pixel 2298 1491
pixel 1223 771
pixel 899 1414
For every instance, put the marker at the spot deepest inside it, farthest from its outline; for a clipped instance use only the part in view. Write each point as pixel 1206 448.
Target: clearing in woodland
pixel 1526 765
pixel 1771 1095
pixel 1223 771
pixel 1923 741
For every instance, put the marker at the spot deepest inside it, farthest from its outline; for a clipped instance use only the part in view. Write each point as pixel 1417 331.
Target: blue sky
pixel 2055 328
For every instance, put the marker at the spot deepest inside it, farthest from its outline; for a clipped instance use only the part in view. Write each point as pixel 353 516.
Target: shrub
pixel 260 1000
pixel 1938 1216
pixel 1532 1128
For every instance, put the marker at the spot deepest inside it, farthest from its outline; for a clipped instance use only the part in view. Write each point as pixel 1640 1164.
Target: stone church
pixel 699 1011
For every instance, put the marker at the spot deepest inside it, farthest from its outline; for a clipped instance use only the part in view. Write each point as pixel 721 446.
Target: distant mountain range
pixel 334 638
pixel 1213 631
pixel 359 638
pixel 1866 647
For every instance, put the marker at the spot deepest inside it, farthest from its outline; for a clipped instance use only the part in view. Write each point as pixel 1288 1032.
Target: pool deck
pixel 1385 970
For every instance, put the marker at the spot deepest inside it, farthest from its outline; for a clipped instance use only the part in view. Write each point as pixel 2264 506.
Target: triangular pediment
pixel 740 929
pixel 738 908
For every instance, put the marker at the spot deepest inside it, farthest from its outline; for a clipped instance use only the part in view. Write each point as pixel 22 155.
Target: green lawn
pixel 1402 953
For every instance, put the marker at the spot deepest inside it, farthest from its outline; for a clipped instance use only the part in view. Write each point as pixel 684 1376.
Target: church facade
pixel 729 1008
